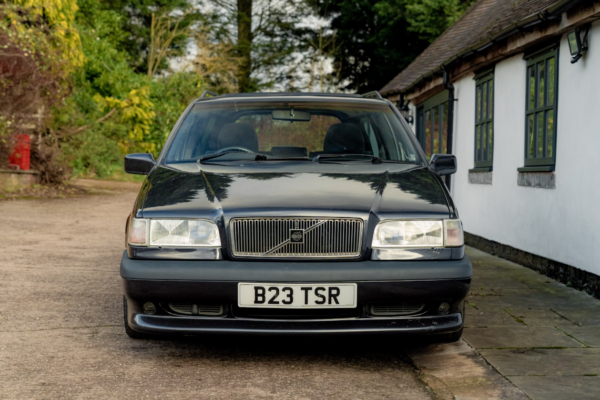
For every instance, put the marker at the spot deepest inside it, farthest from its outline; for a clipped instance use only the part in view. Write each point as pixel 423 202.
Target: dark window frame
pixel 547 108
pixel 483 152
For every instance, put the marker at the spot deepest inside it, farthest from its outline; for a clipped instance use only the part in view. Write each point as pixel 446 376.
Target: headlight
pixel 418 233
pixel 174 233
pixel 177 232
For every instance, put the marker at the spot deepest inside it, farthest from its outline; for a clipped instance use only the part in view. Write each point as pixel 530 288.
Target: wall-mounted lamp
pixel 406 113
pixel 405 110
pixel 578 42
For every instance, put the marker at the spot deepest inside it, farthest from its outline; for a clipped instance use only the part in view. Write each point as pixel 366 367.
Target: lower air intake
pixel 396 309
pixel 196 309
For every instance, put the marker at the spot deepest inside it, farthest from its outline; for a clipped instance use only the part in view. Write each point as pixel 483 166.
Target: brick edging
pixel 567 274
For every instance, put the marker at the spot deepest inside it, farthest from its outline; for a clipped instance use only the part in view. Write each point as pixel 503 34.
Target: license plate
pixel 296 295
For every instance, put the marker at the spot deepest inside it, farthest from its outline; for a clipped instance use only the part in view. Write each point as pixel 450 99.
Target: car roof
pixel 369 96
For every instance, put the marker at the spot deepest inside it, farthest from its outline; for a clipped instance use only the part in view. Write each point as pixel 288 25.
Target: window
pixel 540 123
pixel 484 120
pixel 432 124
pixel 299 129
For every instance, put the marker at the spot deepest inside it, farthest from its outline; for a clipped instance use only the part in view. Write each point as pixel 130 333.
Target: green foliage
pixel 135 17
pixel 34 43
pixel 428 18
pixel 92 153
pixel 372 45
pixel 376 39
pixel 114 110
pixel 171 95
pixel 59 17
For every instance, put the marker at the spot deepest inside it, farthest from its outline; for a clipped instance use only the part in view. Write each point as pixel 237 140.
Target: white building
pixel 525 128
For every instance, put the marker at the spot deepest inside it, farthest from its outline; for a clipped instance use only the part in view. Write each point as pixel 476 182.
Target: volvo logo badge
pixel 296 235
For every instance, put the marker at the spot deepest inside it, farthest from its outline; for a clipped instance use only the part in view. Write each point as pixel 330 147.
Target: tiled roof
pixel 485 19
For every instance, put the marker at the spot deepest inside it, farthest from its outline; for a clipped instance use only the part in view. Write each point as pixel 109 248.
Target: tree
pixel 317 42
pixel 39 48
pixel 428 18
pixel 372 46
pixel 376 39
pixel 261 32
pixel 215 62
pixel 59 18
pixel 114 109
pixel 136 26
pixel 245 37
pixel 164 31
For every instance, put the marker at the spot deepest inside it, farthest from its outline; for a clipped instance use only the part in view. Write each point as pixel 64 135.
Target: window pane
pixel 551 80
pixel 483 142
pixel 490 141
pixel 530 127
pixel 491 101
pixel 484 106
pixel 445 148
pixel 550 123
pixel 436 129
pixel 428 133
pixel 542 83
pixel 478 143
pixel 540 134
pixel 478 105
pixel 531 88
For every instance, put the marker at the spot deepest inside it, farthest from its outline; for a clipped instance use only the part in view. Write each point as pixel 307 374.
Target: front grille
pixel 396 309
pixel 296 237
pixel 196 309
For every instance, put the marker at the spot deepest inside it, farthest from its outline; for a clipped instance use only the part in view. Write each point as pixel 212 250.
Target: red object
pixel 21 152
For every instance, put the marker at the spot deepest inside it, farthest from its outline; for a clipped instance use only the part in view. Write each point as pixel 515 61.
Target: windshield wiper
pixel 374 159
pixel 215 155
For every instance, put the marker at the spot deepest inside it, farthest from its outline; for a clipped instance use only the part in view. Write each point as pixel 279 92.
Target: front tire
pixel 130 332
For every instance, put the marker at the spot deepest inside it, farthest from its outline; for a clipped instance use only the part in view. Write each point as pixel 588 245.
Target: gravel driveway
pixel 61 333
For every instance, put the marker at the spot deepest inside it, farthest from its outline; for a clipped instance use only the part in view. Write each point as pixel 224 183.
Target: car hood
pixel 292 188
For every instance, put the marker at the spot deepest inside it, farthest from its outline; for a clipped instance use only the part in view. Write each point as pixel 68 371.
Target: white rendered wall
pixel 562 224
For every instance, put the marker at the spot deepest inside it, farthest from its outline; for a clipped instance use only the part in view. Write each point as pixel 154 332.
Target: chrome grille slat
pixel 269 237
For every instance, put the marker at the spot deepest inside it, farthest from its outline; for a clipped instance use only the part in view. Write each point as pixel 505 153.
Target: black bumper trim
pixel 227 292
pixel 288 271
pixel 181 325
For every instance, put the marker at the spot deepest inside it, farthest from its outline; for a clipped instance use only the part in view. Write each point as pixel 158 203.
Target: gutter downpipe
pixel 448 85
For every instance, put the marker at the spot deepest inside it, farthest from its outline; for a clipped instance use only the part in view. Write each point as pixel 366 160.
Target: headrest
pixel 238 135
pixel 344 138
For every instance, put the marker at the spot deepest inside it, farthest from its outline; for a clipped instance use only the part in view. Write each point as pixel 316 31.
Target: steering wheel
pixel 233 148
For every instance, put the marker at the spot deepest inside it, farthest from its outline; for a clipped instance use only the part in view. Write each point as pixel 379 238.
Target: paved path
pixel 542 335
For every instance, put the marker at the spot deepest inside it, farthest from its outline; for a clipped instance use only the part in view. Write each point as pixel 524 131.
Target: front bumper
pixel 216 282
pixel 186 325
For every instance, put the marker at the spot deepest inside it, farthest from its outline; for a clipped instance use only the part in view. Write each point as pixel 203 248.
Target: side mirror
pixel 443 164
pixel 139 164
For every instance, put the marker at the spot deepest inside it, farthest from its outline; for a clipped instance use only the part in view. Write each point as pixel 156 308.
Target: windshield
pixel 302 128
